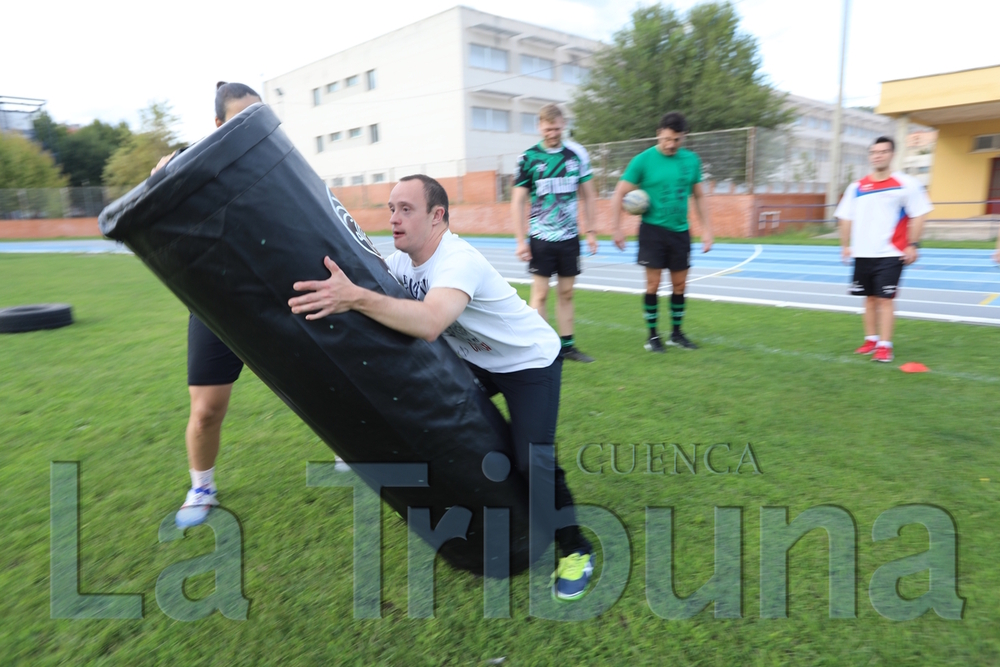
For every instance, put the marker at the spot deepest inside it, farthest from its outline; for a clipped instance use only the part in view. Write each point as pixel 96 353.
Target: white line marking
pixel 758 248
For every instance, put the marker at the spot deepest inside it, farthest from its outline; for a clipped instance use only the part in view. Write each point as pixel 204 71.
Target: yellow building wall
pixel 938 91
pixel 958 174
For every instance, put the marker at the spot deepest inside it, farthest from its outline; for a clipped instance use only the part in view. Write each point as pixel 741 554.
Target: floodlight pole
pixel 833 186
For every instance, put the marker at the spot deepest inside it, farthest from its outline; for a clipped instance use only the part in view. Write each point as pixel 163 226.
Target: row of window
pixel 850 130
pixel 492 58
pixel 498 120
pixel 349 82
pixel 339 181
pixel 354 133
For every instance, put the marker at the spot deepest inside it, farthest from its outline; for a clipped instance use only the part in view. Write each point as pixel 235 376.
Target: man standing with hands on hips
pixel 881 219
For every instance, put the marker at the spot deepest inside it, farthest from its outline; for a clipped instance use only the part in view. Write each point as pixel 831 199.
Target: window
pixel 986 142
pixel 373 133
pixel 334 136
pixel 574 74
pixel 352 80
pixel 316 97
pixel 370 75
pixel 319 144
pixel 529 123
pixel 488 58
pixel 493 120
pixel 354 133
pixel 337 182
pixel 357 180
pixel 378 178
pixel 540 68
pixel 333 87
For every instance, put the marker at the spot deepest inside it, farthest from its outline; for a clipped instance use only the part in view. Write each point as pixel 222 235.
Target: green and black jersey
pixel 552 176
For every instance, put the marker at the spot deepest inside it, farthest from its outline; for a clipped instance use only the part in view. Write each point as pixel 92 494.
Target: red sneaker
pixel 882 353
pixel 867 348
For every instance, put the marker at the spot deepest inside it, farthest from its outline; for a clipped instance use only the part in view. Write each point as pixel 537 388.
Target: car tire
pixel 32 318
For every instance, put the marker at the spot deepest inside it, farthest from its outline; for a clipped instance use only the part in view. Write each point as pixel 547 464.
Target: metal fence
pixel 35 203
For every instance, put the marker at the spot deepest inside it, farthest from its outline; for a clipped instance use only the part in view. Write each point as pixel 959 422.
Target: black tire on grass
pixel 17 319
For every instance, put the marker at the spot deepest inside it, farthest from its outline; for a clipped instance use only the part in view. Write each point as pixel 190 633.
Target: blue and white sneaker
pixel 572 576
pixel 196 507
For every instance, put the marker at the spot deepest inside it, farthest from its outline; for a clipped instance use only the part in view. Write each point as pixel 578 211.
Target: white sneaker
pixel 196 507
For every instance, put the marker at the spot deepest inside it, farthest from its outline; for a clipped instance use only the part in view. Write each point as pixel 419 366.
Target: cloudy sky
pixel 109 58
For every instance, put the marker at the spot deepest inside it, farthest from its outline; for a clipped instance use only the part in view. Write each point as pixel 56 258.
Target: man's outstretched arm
pixel 425 319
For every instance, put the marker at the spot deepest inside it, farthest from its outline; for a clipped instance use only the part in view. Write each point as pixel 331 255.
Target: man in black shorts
pixel 881 219
pixel 212 367
pixel 669 174
pixel 552 173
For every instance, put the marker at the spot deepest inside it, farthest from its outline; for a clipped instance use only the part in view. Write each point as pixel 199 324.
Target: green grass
pixel 827 428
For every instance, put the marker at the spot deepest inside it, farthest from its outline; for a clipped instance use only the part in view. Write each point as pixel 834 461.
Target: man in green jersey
pixel 669 174
pixel 553 172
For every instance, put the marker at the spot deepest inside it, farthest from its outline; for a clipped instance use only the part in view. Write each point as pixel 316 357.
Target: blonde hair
pixel 550 113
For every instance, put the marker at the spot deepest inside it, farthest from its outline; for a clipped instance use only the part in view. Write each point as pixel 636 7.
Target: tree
pixel 131 163
pixel 698 64
pixel 23 164
pixel 83 153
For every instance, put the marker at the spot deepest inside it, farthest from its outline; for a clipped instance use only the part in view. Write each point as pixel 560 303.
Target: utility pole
pixel 833 187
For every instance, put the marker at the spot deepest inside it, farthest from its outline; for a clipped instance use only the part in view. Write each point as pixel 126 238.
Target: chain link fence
pixel 42 203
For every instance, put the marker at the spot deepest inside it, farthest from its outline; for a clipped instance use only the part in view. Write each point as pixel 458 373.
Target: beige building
pixel 454 93
pixel 964 107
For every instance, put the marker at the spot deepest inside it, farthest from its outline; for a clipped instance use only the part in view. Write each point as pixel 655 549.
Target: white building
pixel 812 133
pixel 454 93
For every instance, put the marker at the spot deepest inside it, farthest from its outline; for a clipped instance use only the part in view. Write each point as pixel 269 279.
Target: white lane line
pixel 907 314
pixel 758 248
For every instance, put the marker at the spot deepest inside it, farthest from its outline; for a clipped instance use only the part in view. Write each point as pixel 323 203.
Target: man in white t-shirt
pixel 881 219
pixel 458 294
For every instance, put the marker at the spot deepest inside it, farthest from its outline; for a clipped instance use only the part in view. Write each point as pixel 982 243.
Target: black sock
pixel 676 311
pixel 649 311
pixel 567 341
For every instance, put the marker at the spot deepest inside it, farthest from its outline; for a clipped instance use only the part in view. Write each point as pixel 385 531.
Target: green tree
pixel 24 164
pixel 82 153
pixel 699 64
pixel 131 163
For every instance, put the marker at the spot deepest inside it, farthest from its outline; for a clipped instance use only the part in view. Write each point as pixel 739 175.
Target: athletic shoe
pixel 882 353
pixel 196 507
pixel 680 340
pixel 340 465
pixel 574 354
pixel 867 348
pixel 654 345
pixel 572 576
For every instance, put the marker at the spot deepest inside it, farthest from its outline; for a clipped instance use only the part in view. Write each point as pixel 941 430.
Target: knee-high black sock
pixel 649 312
pixel 676 311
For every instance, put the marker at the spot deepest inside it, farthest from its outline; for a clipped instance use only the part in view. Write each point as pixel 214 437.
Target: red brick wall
pixel 774 213
pixel 733 215
pixel 48 229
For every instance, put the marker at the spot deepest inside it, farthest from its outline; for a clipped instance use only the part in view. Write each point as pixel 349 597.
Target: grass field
pixel 828 428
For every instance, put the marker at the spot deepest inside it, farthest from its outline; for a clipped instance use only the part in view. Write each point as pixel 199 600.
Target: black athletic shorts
pixel 559 257
pixel 661 248
pixel 877 276
pixel 210 362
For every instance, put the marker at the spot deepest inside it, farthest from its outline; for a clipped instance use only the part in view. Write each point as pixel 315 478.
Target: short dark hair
pixel 886 140
pixel 224 92
pixel 675 121
pixel 434 192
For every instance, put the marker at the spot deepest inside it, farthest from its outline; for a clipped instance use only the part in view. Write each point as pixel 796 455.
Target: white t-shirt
pixel 497 331
pixel 879 212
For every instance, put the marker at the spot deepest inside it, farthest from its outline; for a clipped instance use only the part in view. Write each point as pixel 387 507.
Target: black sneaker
pixel 654 345
pixel 574 354
pixel 680 340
